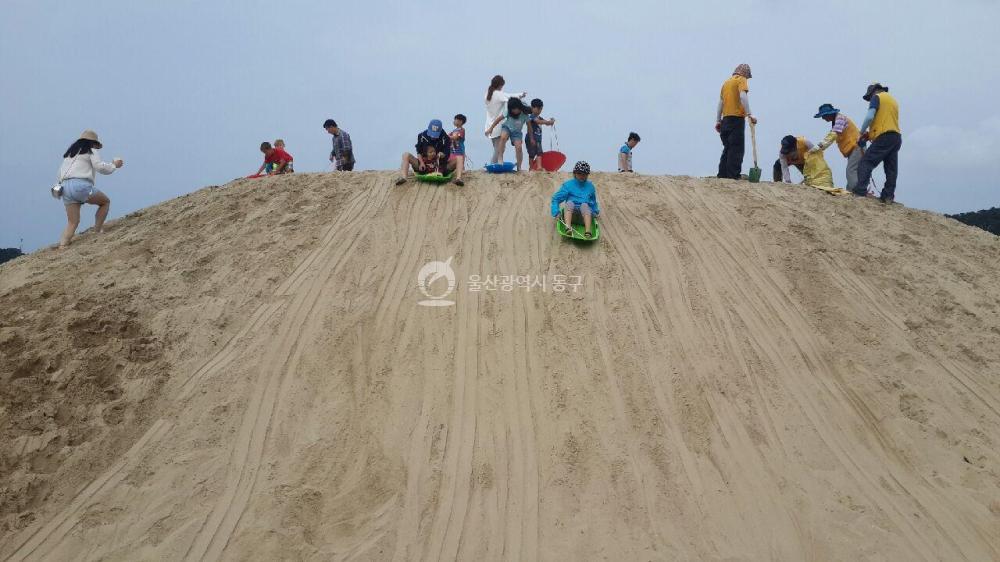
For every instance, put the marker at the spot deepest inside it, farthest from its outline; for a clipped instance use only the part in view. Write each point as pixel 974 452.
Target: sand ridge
pixel 748 372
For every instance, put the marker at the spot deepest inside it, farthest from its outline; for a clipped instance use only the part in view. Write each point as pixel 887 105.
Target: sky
pixel 186 91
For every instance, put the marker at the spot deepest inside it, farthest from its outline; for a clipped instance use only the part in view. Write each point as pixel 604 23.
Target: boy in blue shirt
pixel 625 153
pixel 577 200
pixel 534 142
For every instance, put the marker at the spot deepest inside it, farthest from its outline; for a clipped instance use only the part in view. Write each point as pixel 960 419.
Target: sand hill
pixel 745 373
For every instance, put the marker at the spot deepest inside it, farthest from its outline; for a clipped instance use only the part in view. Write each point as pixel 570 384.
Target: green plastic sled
pixel 576 233
pixel 428 178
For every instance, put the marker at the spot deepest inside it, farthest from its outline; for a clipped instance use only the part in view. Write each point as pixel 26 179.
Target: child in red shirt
pixel 429 163
pixel 276 160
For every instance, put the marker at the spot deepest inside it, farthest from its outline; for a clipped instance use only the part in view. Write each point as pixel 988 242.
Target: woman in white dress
pixel 496 104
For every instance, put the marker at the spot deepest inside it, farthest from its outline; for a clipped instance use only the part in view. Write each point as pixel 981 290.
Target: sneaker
pixel 887 199
pixel 860 193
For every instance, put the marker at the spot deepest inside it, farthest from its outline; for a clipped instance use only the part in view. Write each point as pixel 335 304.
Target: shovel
pixel 754 175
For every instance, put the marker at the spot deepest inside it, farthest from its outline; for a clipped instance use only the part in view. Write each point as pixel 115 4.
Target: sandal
pixel 588 235
pixel 459 183
pixel 400 181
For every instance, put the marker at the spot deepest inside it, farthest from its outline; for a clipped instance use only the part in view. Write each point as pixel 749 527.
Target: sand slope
pixel 747 373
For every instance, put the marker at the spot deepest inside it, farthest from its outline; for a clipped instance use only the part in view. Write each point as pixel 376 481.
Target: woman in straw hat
pixel 76 176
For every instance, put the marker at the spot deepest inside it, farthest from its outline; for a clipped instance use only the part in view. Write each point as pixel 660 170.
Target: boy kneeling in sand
pixel 276 160
pixel 577 200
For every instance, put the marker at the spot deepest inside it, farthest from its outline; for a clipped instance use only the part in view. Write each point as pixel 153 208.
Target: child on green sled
pixel 576 200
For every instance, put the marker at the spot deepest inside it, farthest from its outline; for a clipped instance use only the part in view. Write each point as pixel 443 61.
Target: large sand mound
pixel 747 373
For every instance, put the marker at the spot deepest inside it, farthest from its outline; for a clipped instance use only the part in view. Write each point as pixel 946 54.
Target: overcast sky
pixel 185 91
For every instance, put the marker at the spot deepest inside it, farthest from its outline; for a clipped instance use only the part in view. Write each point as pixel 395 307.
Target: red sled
pixel 552 160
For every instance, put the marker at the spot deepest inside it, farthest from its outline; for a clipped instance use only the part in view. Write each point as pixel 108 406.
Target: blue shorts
pixel 513 135
pixel 76 191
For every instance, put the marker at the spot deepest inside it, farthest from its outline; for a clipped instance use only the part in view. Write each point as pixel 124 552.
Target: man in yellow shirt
pixel 886 138
pixel 730 121
pixel 846 134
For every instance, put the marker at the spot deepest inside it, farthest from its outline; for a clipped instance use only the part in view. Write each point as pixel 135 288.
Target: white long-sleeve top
pixel 495 107
pixel 83 166
pixel 786 175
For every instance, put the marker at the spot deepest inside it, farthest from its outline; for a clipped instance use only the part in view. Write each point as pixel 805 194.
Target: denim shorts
pixel 76 191
pixel 512 135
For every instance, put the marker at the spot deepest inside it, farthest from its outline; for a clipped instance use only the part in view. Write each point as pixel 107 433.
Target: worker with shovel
pixel 846 134
pixel 884 133
pixel 730 121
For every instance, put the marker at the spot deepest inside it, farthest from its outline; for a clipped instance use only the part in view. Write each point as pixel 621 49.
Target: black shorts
pixel 534 149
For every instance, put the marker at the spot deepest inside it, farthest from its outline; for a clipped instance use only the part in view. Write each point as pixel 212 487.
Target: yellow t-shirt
pixel 886 117
pixel 731 106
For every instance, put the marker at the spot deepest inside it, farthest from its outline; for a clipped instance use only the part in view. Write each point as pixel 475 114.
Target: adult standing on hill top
pixel 76 176
pixel 730 121
pixel 846 134
pixel 883 118
pixel 496 103
pixel 342 154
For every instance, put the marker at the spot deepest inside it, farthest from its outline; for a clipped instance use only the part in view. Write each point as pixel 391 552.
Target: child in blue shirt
pixel 577 200
pixel 625 153
pixel 534 140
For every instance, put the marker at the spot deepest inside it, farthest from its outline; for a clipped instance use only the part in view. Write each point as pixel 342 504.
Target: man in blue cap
pixel 432 136
pixel 846 134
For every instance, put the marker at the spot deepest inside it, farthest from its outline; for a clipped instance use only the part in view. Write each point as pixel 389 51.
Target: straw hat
pixel 91 136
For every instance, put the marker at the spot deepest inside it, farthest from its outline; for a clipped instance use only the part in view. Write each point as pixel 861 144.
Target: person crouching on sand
pixel 576 200
pixel 76 178
pixel 279 144
pixel 808 158
pixel 276 160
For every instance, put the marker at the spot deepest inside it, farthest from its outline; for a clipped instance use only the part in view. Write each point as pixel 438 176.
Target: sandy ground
pixel 746 373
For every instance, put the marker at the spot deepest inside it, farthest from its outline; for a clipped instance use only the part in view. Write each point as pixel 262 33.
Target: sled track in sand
pixel 733 379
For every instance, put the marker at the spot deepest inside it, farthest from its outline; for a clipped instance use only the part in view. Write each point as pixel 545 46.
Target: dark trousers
pixel 776 171
pixel 883 150
pixel 733 146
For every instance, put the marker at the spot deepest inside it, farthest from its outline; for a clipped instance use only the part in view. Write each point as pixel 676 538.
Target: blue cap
pixel 826 109
pixel 434 128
